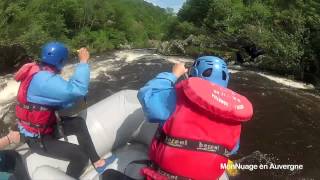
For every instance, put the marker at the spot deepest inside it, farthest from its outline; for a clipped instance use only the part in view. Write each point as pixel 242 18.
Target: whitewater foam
pixel 178 59
pixel 9 92
pixel 130 55
pixel 287 82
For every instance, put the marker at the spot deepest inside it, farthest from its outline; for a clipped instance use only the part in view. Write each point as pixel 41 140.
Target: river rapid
pixel 285 129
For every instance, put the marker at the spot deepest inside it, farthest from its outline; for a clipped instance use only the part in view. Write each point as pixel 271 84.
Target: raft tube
pixel 117 126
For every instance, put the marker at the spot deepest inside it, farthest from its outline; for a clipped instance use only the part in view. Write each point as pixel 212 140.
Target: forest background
pixel 282 36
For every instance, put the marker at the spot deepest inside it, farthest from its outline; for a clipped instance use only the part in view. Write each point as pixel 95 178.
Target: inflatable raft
pixel 117 126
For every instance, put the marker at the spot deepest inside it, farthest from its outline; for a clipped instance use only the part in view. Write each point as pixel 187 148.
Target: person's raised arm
pixel 158 96
pixel 53 90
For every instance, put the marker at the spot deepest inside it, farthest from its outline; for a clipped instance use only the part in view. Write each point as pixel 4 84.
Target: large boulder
pixel 125 46
pixel 174 47
pixel 191 40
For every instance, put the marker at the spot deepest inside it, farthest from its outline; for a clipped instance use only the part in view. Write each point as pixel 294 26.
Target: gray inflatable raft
pixel 117 126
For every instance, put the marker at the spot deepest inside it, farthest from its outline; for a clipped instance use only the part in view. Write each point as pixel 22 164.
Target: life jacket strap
pixel 33 107
pixel 193 145
pixel 156 168
pixel 36 126
pixel 171 176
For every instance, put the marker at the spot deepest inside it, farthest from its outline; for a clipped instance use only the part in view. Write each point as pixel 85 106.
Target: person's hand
pixel 14 137
pixel 179 69
pixel 83 55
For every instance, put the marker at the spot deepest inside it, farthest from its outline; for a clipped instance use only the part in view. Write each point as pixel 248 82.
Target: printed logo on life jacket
pixel 176 142
pixel 240 107
pixel 207 147
pixel 216 96
pixel 235 99
pixel 194 145
pixel 169 176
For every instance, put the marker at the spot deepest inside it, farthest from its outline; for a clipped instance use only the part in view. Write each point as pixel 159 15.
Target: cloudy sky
pixel 175 4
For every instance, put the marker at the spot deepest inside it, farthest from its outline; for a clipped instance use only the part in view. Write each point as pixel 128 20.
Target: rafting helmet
pixel 54 53
pixel 211 68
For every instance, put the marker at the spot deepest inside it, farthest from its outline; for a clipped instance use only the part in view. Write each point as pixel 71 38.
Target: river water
pixel 285 128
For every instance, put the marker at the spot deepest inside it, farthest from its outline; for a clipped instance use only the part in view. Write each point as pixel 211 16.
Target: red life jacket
pixel 35 118
pixel 197 138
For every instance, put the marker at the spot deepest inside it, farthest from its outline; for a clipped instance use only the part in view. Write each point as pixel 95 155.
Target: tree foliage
pixel 98 24
pixel 288 31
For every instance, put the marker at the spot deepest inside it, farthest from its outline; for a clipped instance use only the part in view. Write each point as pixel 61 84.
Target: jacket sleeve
pixel 51 89
pixel 158 97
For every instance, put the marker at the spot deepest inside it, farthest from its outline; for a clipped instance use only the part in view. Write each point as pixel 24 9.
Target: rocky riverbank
pixel 240 52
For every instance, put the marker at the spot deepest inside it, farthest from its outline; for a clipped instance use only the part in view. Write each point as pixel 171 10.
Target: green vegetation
pixel 98 24
pixel 287 31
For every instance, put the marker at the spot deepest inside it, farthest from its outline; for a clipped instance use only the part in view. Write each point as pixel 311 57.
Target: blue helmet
pixel 54 53
pixel 211 68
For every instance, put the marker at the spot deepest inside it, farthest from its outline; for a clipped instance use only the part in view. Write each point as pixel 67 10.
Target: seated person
pixel 42 92
pixel 200 121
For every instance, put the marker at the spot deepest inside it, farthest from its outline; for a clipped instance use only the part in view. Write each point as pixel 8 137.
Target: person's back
pixel 202 128
pixel 42 92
